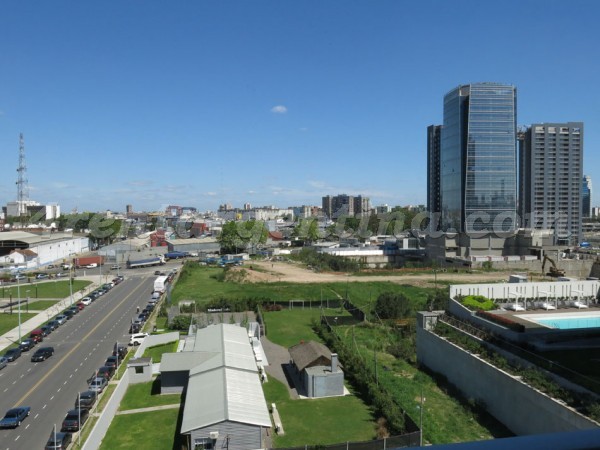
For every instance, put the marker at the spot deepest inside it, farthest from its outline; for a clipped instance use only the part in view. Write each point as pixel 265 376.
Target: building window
pixel 139 370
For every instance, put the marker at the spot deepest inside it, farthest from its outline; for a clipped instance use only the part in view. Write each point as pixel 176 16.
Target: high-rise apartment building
pixel 346 205
pixel 586 197
pixel 478 159
pixel 434 139
pixel 551 170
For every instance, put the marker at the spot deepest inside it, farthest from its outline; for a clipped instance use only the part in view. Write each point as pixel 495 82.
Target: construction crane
pixel 553 271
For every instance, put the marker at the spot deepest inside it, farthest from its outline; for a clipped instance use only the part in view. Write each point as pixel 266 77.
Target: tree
pixel 390 305
pixel 237 236
pixel 307 230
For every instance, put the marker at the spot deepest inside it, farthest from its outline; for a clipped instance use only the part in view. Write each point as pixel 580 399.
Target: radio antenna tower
pixel 22 183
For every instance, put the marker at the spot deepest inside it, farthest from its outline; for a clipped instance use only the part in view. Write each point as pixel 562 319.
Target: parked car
pixel 61 274
pixel 87 301
pixel 80 305
pixel 61 318
pixel 115 267
pixel 20 277
pixel 86 400
pixel 3 362
pixel 12 354
pixel 112 361
pixel 134 328
pixel 121 351
pixel 37 335
pixel 41 276
pixel 58 441
pixel 68 313
pixel 98 384
pixel 106 372
pixel 94 295
pixel 54 324
pixel 137 339
pixel 14 417
pixel 157 272
pixel 46 329
pixel 42 354
pixel 26 344
pixel 74 419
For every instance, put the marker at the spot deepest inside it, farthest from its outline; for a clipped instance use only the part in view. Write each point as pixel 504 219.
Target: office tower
pixel 434 136
pixel 551 176
pixel 586 197
pixel 478 167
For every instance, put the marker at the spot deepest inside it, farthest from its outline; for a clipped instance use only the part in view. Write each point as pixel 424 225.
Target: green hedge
pixel 478 303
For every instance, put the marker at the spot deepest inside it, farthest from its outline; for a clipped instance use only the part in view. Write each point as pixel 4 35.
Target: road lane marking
pixel 34 387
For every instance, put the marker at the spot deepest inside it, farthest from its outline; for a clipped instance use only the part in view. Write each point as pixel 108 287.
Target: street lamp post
pixel 19 295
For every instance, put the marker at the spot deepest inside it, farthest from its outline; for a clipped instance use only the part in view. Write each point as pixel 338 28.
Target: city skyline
pixel 272 103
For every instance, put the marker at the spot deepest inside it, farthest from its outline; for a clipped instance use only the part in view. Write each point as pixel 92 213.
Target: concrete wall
pixel 521 408
pixel 101 427
pixel 156 339
pixel 143 377
pixel 324 384
pixel 501 291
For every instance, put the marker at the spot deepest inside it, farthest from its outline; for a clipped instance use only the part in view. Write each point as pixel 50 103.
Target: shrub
pixel 478 302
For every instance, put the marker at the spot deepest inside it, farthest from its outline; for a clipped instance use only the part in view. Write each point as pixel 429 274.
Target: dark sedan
pixel 12 354
pixel 42 354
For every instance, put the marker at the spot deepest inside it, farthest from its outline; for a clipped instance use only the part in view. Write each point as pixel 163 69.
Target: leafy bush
pixel 181 323
pixel 390 305
pixel 325 262
pixel 478 302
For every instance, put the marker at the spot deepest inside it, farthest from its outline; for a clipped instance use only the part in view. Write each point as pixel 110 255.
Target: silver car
pixel 3 362
pixel 98 384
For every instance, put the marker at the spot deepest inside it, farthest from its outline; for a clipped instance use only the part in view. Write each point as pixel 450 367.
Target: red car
pixel 80 306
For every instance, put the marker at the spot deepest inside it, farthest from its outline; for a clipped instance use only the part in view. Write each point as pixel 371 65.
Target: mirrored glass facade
pixel 478 158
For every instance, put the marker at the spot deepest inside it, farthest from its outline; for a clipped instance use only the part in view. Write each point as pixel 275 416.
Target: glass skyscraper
pixel 478 170
pixel 586 197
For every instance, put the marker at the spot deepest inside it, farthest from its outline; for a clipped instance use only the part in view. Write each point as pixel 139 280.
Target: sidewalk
pixel 42 317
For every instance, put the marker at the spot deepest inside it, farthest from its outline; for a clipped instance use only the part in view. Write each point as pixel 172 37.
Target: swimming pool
pixel 567 321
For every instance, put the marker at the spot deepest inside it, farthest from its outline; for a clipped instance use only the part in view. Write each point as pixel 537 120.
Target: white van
pixel 137 339
pixel 91 266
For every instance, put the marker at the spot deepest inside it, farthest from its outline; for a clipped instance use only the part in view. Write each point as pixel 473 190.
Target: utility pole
pixel 22 183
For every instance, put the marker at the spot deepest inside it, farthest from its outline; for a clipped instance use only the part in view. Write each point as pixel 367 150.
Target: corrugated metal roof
pixel 225 386
pixel 224 394
pixel 175 362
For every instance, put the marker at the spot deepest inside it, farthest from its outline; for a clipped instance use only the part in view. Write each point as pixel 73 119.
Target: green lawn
pixel 337 419
pixel 157 351
pixel 10 321
pixel 41 305
pixel 290 326
pixel 145 395
pixel 156 430
pixel 46 289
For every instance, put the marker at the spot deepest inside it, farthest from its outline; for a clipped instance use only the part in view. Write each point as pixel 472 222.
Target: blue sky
pixel 200 103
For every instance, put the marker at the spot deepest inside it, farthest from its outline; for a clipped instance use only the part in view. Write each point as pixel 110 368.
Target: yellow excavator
pixel 553 271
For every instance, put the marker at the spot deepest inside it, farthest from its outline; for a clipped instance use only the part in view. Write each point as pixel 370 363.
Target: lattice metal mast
pixel 22 183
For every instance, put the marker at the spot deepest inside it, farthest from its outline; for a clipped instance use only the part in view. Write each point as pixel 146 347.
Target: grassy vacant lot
pixel 202 284
pixel 319 421
pixel 157 351
pixel 10 321
pixel 149 430
pixel 46 289
pixel 146 395
pixel 445 419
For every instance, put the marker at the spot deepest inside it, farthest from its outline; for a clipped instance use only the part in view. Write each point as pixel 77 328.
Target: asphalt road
pixel 81 345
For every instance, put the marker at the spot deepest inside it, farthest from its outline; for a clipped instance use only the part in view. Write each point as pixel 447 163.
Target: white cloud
pixel 279 109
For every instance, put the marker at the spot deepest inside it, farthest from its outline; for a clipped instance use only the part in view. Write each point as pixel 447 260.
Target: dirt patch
pixel 292 272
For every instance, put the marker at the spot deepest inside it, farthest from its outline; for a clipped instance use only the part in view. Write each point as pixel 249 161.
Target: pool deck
pixel 517 316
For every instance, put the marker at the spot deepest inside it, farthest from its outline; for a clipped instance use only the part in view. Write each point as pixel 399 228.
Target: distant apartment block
pixel 346 205
pixel 551 166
